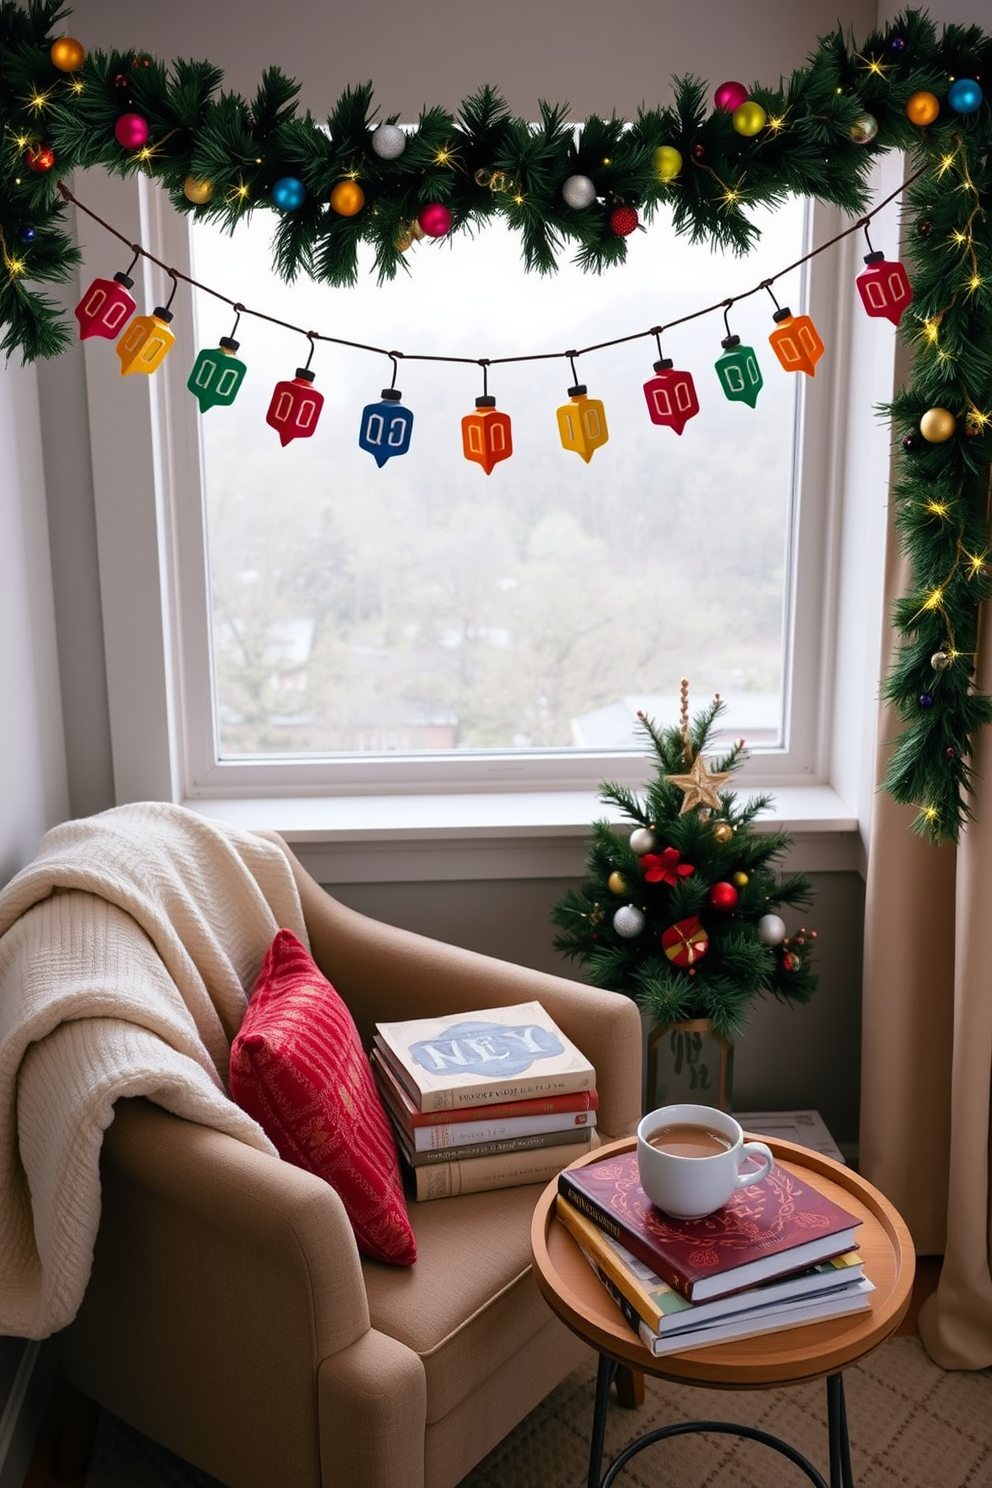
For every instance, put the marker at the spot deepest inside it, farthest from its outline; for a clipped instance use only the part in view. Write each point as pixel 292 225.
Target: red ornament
pixel 665 867
pixel 623 220
pixel 884 287
pixel 39 158
pixel 796 342
pixel 486 434
pixel 791 962
pixel 295 407
pixel 435 219
pixel 723 897
pixel 730 96
pixel 671 396
pixel 685 941
pixel 105 307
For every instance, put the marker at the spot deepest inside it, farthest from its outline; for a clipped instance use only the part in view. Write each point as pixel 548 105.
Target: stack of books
pixel 779 1254
pixel 490 1099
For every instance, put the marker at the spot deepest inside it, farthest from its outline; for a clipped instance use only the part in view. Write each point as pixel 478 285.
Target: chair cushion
pixel 298 1067
pixel 471 1302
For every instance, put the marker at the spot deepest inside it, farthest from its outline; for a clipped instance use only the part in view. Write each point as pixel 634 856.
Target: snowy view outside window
pixel 424 606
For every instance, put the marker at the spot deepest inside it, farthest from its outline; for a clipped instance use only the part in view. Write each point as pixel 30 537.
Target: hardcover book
pixel 538 1105
pixel 768 1229
pixel 580 1140
pixel 666 1311
pixel 477 1174
pixel 840 1302
pixel 484 1058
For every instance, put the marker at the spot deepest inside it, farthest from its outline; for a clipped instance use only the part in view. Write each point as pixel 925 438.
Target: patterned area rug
pixel 912 1425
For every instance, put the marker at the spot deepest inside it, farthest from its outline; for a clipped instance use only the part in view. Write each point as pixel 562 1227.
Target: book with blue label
pixel 483 1058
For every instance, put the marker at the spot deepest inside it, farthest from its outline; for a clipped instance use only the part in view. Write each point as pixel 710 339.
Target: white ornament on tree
pixel 771 928
pixel 578 191
pixel 642 841
pixel 628 921
pixel 388 141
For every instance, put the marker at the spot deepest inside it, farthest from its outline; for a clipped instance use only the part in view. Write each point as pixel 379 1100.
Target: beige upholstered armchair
pixel 230 1316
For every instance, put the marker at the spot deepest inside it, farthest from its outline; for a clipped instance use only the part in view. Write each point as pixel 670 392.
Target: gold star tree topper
pixel 701 786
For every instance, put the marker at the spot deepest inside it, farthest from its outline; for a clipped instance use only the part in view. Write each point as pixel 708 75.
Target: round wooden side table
pixel 792 1356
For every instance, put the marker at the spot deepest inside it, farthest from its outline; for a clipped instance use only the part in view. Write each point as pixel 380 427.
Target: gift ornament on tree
pixel 680 909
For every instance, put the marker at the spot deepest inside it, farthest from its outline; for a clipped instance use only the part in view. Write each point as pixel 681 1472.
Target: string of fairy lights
pixel 107 309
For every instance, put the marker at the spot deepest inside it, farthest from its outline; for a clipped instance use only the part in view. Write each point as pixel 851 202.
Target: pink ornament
pixel 435 219
pixel 132 131
pixel 730 96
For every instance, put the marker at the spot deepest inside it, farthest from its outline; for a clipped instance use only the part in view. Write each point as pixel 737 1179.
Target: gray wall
pixel 788 1057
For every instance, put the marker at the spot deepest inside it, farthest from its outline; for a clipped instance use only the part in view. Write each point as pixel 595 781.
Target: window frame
pixel 153 582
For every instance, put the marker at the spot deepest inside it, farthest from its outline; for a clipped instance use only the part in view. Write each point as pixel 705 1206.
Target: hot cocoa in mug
pixel 689 1159
pixel 684 1139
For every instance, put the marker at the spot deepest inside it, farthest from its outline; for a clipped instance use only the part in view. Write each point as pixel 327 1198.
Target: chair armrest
pixel 386 973
pixel 223 1278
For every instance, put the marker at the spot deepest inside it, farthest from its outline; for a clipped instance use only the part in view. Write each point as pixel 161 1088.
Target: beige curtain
pixel 926 1134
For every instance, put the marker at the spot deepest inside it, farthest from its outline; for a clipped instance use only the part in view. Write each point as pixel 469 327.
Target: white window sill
pixel 539 834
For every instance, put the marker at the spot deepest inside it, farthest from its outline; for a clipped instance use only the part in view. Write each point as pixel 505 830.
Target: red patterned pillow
pixel 298 1067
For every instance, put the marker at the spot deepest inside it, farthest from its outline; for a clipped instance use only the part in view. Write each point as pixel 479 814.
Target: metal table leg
pixel 841 1475
pixel 604 1378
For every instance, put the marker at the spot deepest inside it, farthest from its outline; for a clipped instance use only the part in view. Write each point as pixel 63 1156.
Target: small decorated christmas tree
pixel 682 912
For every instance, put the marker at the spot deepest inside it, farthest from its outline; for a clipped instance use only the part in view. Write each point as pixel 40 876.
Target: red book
pixel 538 1105
pixel 769 1229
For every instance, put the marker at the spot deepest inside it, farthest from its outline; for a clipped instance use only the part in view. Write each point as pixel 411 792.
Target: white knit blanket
pixel 127 949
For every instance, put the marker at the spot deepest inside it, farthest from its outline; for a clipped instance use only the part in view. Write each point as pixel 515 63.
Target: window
pixel 332 626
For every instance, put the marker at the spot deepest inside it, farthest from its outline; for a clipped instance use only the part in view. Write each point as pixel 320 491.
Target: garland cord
pixel 724 305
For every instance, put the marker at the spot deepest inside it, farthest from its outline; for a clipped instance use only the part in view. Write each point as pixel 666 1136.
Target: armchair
pixel 229 1314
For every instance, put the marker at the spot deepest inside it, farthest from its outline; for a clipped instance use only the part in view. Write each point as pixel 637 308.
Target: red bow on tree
pixel 665 867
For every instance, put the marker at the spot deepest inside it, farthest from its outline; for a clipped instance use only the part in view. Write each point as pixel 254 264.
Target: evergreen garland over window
pixel 222 157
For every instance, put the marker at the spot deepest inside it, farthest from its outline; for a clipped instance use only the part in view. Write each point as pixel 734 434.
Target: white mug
pixel 697 1168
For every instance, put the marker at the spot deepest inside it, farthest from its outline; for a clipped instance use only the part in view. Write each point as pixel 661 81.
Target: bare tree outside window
pixel 424 606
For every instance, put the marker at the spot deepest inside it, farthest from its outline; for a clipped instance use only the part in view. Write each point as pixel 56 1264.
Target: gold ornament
pixel 940 661
pixel 740 879
pixel 416 231
pixel 198 192
pixel 67 54
pixel 700 786
pixel 938 425
pixel 403 241
pixel 616 883
pixel 750 118
pixel 347 198
pixel 667 162
pixel 722 831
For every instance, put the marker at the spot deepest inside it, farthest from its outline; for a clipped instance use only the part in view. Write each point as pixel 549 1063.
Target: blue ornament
pixel 386 428
pixel 289 193
pixel 965 96
pixel 26 234
pixel 925 700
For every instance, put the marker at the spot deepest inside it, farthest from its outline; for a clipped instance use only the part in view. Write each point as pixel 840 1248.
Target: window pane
pixel 423 606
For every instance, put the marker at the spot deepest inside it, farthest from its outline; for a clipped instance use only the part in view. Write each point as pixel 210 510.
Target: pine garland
pixel 482 164
pixel 666 887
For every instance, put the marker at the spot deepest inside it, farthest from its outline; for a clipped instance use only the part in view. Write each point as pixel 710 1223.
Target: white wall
pixel 33 791
pixel 33 780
